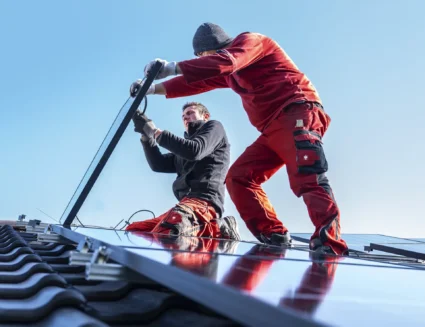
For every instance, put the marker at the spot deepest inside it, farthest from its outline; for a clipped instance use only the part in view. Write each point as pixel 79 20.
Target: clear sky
pixel 66 67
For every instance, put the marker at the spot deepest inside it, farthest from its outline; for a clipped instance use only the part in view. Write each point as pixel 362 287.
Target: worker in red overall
pixel 286 109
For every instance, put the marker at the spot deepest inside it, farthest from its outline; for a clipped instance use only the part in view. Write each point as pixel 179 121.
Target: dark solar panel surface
pixel 324 288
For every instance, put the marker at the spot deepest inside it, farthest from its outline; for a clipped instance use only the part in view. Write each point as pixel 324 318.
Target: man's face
pixel 191 114
pixel 206 53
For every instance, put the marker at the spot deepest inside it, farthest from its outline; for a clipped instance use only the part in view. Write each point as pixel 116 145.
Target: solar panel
pixel 132 240
pixel 105 150
pixel 410 250
pixel 152 241
pixel 328 291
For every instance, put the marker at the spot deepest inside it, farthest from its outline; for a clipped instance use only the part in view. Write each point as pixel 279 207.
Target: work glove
pixel 144 125
pixel 137 85
pixel 167 69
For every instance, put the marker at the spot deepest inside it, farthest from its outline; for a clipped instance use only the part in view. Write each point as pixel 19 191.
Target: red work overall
pixel 190 217
pixel 292 139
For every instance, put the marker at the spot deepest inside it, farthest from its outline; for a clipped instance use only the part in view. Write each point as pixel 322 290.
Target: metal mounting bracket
pixel 52 238
pixel 99 269
pixel 82 255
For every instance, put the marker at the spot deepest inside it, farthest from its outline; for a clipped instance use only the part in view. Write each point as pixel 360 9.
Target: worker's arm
pixel 203 144
pixel 161 163
pixel 246 49
pixel 178 87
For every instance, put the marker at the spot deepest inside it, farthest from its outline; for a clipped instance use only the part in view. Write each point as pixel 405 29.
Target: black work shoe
pixel 323 250
pixel 317 246
pixel 229 228
pixel 277 239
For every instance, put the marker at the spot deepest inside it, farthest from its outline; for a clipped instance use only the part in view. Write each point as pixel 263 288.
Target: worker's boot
pixel 229 228
pixel 317 246
pixel 277 239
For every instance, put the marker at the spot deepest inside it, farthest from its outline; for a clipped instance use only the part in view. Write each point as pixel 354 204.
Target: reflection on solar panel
pixel 326 288
pixel 255 284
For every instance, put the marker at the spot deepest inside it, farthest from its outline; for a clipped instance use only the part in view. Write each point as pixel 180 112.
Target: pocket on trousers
pixel 179 222
pixel 310 155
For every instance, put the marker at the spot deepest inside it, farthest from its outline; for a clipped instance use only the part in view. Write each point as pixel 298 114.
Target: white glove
pixel 137 85
pixel 168 68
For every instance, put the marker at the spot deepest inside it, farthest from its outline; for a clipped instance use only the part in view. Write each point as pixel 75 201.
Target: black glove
pixel 144 125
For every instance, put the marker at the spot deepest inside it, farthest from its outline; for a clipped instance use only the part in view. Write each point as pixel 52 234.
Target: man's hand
pixel 137 85
pixel 168 68
pixel 144 125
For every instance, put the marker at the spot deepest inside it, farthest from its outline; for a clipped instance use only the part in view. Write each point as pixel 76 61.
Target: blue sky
pixel 65 70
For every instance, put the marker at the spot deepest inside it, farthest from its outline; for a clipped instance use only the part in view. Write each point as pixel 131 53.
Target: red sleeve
pixel 246 49
pixel 178 87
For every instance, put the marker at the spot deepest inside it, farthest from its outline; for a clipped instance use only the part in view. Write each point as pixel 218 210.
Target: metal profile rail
pixel 226 301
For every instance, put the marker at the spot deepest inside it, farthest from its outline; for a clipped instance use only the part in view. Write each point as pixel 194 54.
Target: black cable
pixel 127 222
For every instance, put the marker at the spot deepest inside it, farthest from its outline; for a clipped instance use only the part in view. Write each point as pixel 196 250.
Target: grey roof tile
pixel 15 253
pixel 24 272
pixel 110 291
pixel 39 305
pixel 30 286
pixel 64 317
pixel 19 262
pixel 11 246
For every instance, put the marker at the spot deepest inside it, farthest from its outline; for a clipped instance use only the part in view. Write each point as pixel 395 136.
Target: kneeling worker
pixel 201 160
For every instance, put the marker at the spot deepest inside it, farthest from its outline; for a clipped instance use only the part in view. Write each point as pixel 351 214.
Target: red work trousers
pixel 292 139
pixel 190 217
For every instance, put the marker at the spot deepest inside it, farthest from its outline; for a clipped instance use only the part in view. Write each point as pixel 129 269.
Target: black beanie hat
pixel 210 36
